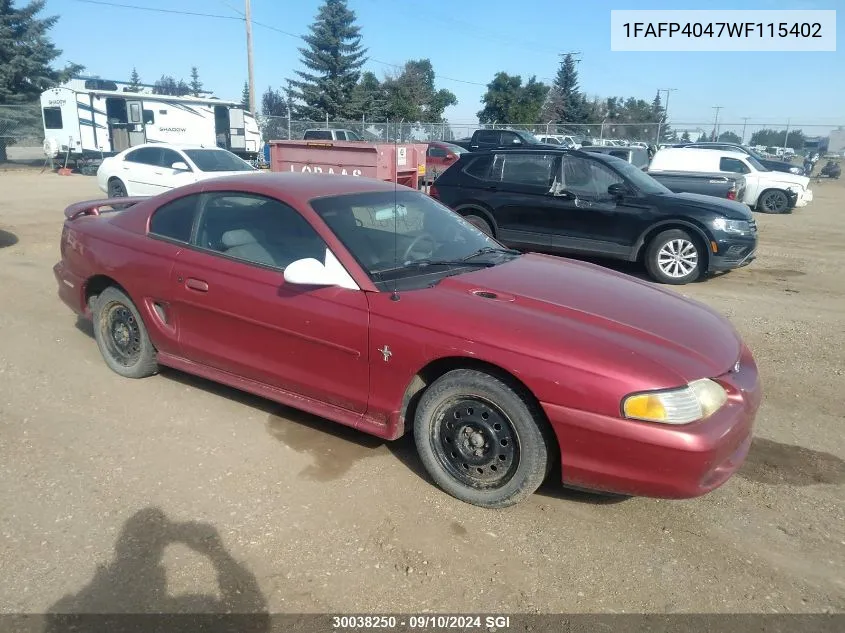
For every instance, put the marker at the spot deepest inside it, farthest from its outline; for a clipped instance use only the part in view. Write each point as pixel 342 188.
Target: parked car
pixel 769 191
pixel 153 168
pixel 768 163
pixel 330 135
pixel 586 203
pixel 377 307
pixel 637 156
pixel 728 186
pixel 492 139
pixel 439 157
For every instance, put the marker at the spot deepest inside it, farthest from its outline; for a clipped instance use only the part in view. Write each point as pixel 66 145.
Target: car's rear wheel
pixel 480 223
pixel 121 335
pixel 773 201
pixel 481 440
pixel 674 257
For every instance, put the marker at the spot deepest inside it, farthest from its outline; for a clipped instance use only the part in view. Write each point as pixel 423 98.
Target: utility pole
pixel 785 140
pixel 665 110
pixel 248 20
pixel 744 123
pixel 716 123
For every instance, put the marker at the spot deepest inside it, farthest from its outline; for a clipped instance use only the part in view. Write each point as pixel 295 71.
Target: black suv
pixel 584 203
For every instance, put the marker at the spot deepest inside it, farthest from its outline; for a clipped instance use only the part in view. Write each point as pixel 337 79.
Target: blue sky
pixel 469 40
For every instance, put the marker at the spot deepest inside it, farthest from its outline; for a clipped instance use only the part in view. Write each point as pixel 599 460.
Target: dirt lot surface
pixel 174 493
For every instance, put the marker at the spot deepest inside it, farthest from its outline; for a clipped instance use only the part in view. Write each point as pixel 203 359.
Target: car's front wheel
pixel 121 335
pixel 674 257
pixel 116 188
pixel 481 440
pixel 773 201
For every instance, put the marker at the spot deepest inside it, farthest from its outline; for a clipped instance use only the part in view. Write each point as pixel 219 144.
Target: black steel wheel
pixel 121 335
pixel 773 201
pixel 476 442
pixel 483 440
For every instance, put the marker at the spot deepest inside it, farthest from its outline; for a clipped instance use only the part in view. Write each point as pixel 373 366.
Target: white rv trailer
pixel 92 122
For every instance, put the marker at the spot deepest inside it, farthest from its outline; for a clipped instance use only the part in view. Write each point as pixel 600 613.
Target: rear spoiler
pixel 92 207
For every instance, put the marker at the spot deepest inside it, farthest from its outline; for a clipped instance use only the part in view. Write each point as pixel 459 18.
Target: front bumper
pixel 733 252
pixel 657 460
pixel 803 198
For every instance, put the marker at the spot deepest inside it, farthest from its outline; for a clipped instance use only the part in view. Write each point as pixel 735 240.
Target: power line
pixel 157 10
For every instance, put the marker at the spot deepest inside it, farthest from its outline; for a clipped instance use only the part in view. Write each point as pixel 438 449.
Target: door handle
pixel 492 188
pixel 196 284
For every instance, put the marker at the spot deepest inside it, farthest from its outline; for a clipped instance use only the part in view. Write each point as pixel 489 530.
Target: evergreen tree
pixel 167 85
pixel 566 104
pixel 134 81
pixel 245 96
pixel 26 55
pixel 507 100
pixel 196 84
pixel 685 137
pixel 332 59
pixel 658 113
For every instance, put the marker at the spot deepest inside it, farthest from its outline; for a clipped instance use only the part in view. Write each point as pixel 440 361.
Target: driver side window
pixel 256 230
pixel 588 179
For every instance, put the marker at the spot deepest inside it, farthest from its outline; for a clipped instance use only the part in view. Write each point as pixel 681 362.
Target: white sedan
pixel 153 168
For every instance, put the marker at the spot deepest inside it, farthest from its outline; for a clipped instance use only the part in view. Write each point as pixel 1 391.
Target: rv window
pixel 134 112
pixel 149 117
pixel 53 118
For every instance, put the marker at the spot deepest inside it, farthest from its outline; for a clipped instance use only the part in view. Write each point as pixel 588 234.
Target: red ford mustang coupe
pixel 375 306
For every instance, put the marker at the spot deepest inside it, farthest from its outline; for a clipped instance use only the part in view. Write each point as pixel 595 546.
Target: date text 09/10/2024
pixel 431 621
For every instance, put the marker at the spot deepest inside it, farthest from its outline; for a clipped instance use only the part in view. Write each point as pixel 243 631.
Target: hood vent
pixel 490 294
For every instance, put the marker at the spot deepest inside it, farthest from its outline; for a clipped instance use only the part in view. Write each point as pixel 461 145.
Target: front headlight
pixel 698 400
pixel 731 226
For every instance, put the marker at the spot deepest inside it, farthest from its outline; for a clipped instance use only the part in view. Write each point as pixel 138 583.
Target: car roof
pixel 173 146
pixel 303 186
pixel 725 152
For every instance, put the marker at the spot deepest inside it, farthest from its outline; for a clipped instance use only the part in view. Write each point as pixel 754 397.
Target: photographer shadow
pixel 131 593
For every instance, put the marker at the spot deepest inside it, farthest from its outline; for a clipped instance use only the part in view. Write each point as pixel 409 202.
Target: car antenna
pixel 395 295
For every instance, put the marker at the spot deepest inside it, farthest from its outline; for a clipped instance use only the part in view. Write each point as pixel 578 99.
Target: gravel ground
pixel 175 494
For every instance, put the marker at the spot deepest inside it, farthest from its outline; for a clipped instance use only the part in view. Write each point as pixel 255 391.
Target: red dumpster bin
pixel 401 163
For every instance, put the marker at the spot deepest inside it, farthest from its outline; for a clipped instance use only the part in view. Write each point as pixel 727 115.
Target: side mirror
pixel 618 190
pixel 516 141
pixel 180 166
pixel 308 272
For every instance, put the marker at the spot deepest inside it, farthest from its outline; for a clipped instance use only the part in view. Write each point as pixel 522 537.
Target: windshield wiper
pixel 490 249
pixel 425 263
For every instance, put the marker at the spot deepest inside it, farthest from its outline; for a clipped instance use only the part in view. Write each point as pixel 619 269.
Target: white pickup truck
pixel 769 191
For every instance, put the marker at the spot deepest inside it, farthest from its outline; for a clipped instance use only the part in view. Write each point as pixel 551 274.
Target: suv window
pixel 510 138
pixel 320 135
pixel 479 168
pixel 256 230
pixel 524 169
pixel 733 165
pixel 588 179
pixel 175 220
pixel 340 135
pixel 144 155
pixel 168 157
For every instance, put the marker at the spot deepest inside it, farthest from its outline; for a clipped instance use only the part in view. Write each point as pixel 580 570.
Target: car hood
pixel 205 175
pixel 561 309
pixel 785 177
pixel 729 208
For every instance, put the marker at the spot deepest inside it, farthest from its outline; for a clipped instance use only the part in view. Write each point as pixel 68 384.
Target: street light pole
pixel 250 70
pixel 716 123
pixel 744 123
pixel 665 116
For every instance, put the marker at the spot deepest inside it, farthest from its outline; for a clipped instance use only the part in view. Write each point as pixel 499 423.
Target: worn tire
pixel 665 239
pixel 773 201
pixel 534 442
pixel 116 189
pixel 480 223
pixel 142 363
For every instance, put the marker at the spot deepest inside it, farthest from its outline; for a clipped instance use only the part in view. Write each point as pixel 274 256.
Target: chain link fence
pixel 21 134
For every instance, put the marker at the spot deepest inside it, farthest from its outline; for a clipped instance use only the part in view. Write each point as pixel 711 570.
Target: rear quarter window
pixel 175 220
pixel 479 168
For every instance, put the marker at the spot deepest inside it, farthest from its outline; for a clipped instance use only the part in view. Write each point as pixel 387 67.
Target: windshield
pixel 217 160
pixel 403 234
pixel 527 137
pixel 756 164
pixel 639 178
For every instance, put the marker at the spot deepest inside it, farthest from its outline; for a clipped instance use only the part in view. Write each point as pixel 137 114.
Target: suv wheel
pixel 674 257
